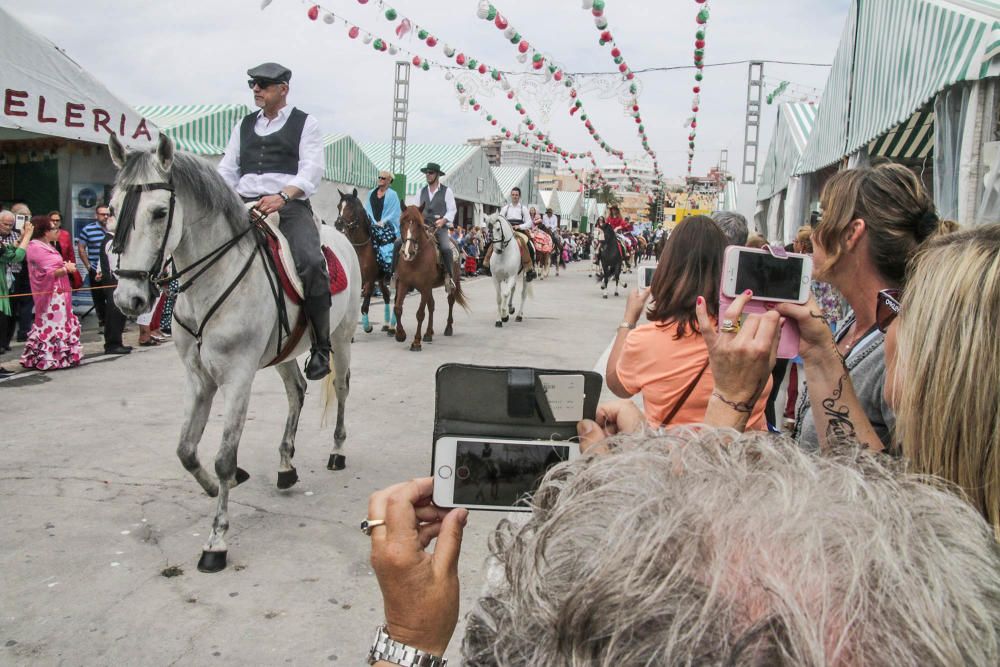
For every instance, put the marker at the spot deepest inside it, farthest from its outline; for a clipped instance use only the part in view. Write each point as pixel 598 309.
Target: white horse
pixel 230 324
pixel 505 268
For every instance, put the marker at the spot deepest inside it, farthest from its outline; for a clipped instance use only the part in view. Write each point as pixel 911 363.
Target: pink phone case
pixel 788 344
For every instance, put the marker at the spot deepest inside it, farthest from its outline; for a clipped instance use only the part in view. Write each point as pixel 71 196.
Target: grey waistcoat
pixel 433 208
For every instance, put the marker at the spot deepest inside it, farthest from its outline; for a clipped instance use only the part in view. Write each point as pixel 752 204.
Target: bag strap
pixel 684 397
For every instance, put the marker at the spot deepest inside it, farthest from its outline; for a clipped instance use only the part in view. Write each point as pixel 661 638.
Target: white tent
pixel 46 94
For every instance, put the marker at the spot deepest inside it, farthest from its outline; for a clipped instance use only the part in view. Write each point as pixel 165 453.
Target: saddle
pixel 285 264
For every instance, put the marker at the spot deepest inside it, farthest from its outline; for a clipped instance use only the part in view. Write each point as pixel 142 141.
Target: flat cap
pixel 271 72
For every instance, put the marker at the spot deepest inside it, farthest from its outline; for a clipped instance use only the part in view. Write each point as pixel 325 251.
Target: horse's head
pixel 411 231
pixel 495 224
pixel 148 219
pixel 352 219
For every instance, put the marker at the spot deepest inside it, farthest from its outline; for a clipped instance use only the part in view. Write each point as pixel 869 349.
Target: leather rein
pixel 126 224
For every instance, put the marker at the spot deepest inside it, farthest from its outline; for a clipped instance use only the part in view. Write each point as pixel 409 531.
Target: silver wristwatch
pixel 384 648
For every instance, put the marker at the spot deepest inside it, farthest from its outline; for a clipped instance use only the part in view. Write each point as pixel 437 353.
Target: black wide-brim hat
pixel 432 166
pixel 271 72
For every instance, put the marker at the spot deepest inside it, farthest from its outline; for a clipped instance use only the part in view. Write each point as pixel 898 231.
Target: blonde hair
pixel 756 241
pixel 948 420
pixel 898 212
pixel 803 239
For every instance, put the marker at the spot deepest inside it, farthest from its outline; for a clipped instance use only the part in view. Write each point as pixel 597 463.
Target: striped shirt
pixel 93 235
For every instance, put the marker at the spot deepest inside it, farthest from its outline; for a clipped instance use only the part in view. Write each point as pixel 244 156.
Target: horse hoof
pixel 212 561
pixel 241 476
pixel 616 293
pixel 505 318
pixel 400 336
pixel 415 347
pixel 518 319
pixel 287 478
pixel 428 338
pixel 499 324
pixel 385 327
pixel 390 332
pixel 606 296
pixel 369 329
pixel 336 462
pixel 449 331
pixel 511 310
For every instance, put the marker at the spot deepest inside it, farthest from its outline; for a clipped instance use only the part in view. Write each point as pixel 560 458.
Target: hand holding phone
pixel 646 274
pixel 19 221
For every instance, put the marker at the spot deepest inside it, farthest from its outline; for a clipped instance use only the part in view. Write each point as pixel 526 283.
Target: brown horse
pixel 352 220
pixel 418 267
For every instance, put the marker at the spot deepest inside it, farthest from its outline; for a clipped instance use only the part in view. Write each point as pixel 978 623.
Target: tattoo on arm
pixel 745 407
pixel 840 426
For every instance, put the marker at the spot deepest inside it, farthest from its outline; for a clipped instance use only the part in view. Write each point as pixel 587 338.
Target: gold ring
pixel 728 326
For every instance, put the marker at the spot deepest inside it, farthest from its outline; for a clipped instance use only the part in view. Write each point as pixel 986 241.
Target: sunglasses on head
pixel 262 83
pixel 887 308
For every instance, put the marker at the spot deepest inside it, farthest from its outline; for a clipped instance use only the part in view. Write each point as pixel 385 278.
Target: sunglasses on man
pixel 887 308
pixel 262 83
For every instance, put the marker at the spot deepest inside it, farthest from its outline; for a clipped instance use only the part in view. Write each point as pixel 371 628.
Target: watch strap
pixel 284 195
pixel 387 649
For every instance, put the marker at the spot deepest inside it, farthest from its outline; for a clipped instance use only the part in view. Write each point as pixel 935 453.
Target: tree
pixel 607 196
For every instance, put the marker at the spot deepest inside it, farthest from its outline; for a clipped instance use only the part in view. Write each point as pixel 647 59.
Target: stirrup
pixel 314 371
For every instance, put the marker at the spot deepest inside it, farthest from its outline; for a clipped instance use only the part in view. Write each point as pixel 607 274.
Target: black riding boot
pixel 318 311
pixel 531 275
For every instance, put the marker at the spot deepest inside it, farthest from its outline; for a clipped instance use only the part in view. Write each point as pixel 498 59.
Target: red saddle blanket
pixel 542 241
pixel 338 276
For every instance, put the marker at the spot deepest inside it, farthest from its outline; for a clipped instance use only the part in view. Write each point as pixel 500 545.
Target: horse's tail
pixel 460 297
pixel 329 394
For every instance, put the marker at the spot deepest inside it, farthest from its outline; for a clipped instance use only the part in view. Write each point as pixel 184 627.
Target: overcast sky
pixel 189 52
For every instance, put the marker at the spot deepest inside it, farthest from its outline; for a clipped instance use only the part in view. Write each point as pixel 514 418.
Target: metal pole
pixel 400 116
pixel 755 96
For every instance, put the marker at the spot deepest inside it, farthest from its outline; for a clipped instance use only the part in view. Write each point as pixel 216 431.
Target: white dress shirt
pixel 518 212
pixel 311 168
pixel 450 209
pixel 551 222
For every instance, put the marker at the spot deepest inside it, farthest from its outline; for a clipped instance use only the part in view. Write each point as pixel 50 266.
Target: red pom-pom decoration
pixel 313 12
pixel 500 22
pixel 416 61
pixel 482 69
pixel 460 59
pixel 355 31
pixel 615 52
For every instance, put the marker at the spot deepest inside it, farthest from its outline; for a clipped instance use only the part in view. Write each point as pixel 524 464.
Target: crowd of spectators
pixel 867 534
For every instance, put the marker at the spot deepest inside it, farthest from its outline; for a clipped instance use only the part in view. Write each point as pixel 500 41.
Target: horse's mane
pixel 411 213
pixel 193 178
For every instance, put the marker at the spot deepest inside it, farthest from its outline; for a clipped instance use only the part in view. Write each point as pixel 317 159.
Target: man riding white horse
pixel 517 215
pixel 275 158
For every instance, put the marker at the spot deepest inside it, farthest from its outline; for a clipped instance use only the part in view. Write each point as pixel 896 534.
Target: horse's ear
pixel 165 152
pixel 341 193
pixel 355 193
pixel 118 152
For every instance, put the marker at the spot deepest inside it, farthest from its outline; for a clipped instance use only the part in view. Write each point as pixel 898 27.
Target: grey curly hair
pixel 704 547
pixel 733 225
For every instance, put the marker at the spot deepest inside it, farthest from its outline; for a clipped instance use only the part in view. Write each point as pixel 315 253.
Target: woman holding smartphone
pixel 666 360
pixel 874 219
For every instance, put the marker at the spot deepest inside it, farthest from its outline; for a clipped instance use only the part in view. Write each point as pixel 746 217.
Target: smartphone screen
pixel 501 474
pixel 769 277
pixel 647 276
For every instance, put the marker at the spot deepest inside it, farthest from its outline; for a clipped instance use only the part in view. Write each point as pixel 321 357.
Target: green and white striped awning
pixel 792 130
pixel 203 129
pixel 894 57
pixel 510 177
pixel 550 200
pixel 466 168
pixel 570 204
pixel 913 139
pixel 347 163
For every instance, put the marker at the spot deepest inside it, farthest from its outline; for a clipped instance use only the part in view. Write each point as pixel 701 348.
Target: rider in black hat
pixel 438 204
pixel 275 157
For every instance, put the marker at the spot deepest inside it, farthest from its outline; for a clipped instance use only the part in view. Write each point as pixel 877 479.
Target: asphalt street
pixel 102 527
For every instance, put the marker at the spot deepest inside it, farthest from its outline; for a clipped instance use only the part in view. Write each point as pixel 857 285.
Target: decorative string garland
pixel 701 18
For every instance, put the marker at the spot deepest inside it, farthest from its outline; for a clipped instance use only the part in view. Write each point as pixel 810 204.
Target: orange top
pixel 661 368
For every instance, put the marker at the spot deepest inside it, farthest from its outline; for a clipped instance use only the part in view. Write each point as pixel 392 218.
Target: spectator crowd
pixel 704 528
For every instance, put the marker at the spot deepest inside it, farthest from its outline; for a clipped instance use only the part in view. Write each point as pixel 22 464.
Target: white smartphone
pixel 493 473
pixel 19 221
pixel 769 277
pixel 646 274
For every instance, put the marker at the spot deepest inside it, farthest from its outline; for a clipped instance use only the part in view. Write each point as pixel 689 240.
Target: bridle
pixel 126 223
pixel 504 242
pixel 353 225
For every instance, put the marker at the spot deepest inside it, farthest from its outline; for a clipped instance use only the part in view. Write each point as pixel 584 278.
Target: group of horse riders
pixel 275 158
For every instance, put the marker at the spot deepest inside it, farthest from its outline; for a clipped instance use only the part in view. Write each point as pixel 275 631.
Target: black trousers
pixel 114 324
pixel 23 306
pixel 100 296
pixel 299 228
pixel 444 244
pixel 6 330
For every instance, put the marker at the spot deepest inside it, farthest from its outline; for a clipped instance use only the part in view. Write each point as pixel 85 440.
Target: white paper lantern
pixel 393 49
pixel 601 22
pixel 483 10
pixel 509 32
pixel 367 39
pixel 328 18
pixel 522 57
pixel 449 51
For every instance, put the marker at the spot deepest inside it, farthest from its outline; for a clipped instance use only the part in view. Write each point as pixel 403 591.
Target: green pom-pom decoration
pixel 426 66
pixel 377 44
pixel 633 89
pixel 583 116
pixel 489 116
pixel 472 63
pixel 698 53
pixel 703 16
pixel 492 14
pixel 599 5
pixel 698 76
pixel 535 58
pixel 391 14
pixel 619 60
pixel 642 128
pixel 568 83
pixel 700 34
pixel 516 39
pixel 422 34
